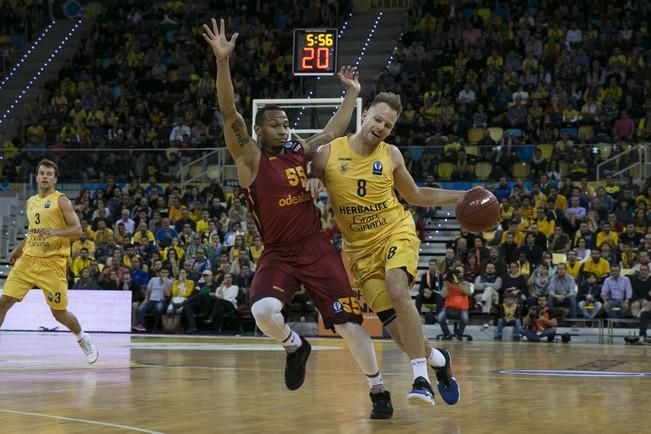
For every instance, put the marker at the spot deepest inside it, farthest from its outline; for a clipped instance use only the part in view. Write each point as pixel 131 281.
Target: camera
pixel 534 312
pixel 454 275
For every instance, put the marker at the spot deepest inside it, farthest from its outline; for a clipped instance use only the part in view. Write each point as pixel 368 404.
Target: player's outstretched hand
pixel 349 78
pixel 216 37
pixel 14 255
pixel 314 186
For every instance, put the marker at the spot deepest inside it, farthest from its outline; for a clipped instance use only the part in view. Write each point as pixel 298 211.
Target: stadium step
pixel 377 51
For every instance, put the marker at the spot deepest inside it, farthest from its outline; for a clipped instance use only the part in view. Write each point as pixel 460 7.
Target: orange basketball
pixel 478 210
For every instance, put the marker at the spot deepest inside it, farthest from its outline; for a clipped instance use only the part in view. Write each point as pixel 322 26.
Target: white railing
pixel 633 161
pixel 199 169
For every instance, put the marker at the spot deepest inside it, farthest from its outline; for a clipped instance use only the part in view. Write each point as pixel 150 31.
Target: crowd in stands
pixel 181 253
pixel 559 86
pixel 20 23
pixel 145 79
pixel 492 82
pixel 560 252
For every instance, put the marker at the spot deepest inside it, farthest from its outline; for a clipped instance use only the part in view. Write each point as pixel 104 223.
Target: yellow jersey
pixel 44 213
pixel 366 208
pixel 573 270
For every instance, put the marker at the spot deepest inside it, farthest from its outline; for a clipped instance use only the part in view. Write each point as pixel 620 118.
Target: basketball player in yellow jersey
pixel 40 259
pixel 360 173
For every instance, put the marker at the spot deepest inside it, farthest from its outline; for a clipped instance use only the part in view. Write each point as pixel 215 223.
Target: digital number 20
pixel 318 58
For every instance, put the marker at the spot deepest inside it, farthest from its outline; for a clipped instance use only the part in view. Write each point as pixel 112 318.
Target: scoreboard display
pixel 315 52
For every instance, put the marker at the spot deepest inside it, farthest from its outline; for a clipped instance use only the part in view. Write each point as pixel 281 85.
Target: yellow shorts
pixel 48 274
pixel 398 251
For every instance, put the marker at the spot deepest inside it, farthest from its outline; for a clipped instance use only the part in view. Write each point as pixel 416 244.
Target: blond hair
pixel 389 98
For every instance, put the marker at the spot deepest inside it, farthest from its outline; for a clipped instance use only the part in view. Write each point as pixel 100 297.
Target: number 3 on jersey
pixel 295 175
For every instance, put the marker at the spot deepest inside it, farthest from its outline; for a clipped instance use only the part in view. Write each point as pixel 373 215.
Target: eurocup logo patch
pixel 293 146
pixel 377 168
pixel 337 307
pixel 48 203
pixel 50 297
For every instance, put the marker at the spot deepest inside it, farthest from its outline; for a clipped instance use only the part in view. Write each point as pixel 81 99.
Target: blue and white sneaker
pixel 447 384
pixel 421 393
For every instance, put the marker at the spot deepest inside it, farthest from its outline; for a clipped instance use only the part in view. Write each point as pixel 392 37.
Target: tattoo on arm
pixel 239 128
pixel 313 143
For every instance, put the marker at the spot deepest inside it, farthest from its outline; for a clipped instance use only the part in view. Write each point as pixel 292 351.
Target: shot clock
pixel 315 52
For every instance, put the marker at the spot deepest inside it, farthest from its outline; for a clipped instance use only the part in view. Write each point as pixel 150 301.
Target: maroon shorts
pixel 314 263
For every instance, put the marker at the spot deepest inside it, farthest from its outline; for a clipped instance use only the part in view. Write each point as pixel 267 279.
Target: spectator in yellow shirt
pixel 506 209
pixel 495 60
pixel 545 225
pixel 560 201
pixel 539 198
pixel 202 224
pixel 607 234
pixel 256 249
pixel 596 265
pixel 83 242
pixel 102 234
pixel 572 265
pixel 80 262
pixel 143 232
pixel 197 211
pixel 527 209
pixel 180 253
pixel 176 209
pixel 518 236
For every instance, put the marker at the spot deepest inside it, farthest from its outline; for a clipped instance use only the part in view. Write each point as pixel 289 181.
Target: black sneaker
pixel 447 384
pixel 382 407
pixel 295 365
pixel 497 338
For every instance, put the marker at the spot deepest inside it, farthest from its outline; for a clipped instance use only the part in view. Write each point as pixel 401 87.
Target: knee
pixel 6 302
pixel 266 308
pixel 398 295
pixel 58 314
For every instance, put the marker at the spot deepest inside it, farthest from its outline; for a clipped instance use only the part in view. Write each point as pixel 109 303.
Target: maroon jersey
pixel 283 211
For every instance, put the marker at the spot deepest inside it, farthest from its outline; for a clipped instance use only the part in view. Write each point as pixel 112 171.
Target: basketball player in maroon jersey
pixel 274 174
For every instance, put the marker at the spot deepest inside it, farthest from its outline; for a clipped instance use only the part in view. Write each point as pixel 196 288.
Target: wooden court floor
pixel 235 385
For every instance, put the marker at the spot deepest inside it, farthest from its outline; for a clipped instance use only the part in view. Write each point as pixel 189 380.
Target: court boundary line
pixel 76 419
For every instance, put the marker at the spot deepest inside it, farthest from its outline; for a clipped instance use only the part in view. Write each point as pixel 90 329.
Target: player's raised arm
pixel 415 195
pixel 242 147
pixel 338 123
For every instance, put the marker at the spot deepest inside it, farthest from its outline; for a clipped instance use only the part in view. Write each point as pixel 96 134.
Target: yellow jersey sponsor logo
pixel 361 209
pixel 367 222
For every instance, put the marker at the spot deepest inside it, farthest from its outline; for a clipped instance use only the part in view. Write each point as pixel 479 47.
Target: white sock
pixel 436 358
pixel 419 367
pixel 80 335
pixel 292 342
pixel 375 383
